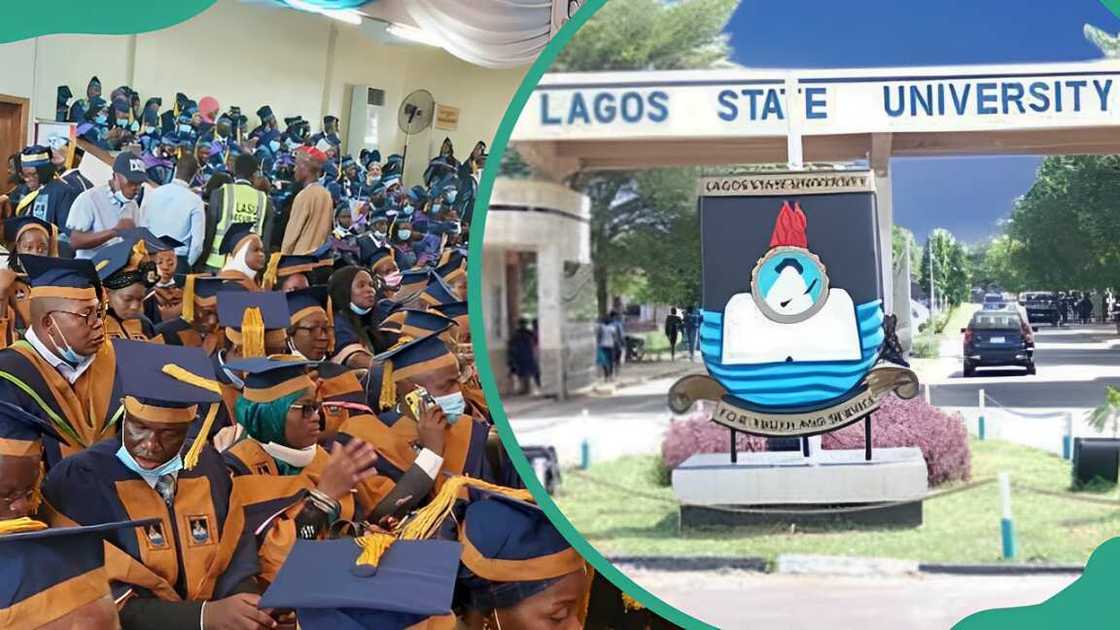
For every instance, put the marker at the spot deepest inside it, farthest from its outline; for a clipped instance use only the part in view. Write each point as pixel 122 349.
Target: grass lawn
pixel 960 528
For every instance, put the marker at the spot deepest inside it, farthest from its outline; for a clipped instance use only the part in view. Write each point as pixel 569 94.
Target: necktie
pixel 166 488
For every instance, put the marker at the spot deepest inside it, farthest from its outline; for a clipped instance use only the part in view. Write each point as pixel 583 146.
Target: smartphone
pixel 416 400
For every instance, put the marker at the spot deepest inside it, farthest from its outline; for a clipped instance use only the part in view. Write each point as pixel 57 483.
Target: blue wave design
pixel 793 384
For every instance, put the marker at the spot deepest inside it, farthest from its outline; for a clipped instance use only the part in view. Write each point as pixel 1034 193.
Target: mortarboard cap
pixel 438 292
pixel 94 81
pixel 16 226
pixel 510 552
pixel 328 119
pixel 414 357
pixel 284 265
pixel 235 233
pixel 452 310
pixel 50 573
pixel 264 112
pixel 273 377
pixel 415 323
pixel 414 280
pixel 71 279
pixel 381 253
pixel 21 433
pixel 414 580
pixel 123 264
pixel 453 265
pixel 304 302
pixel 34 156
pixel 63 94
pixel 202 291
pixel 252 319
pixel 390 179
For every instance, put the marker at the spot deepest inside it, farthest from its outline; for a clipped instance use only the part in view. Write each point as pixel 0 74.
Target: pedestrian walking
pixel 673 324
pixel 620 342
pixel 691 323
pixel 606 334
pixel 523 363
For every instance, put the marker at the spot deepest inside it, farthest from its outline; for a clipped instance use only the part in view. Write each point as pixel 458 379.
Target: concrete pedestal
pixel 785 488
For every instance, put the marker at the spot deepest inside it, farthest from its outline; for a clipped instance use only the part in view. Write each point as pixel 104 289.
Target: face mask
pixel 119 197
pixel 407 210
pixel 358 310
pixel 451 195
pixel 453 405
pixel 149 130
pixel 122 122
pixel 151 476
pixel 394 279
pixel 101 119
pixel 436 207
pixel 373 179
pixel 185 129
pixel 273 146
pixel 404 235
pixel 379 234
pixel 65 349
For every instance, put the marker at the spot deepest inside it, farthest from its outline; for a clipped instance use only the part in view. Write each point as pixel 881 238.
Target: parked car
pixel 994 302
pixel 1042 306
pixel 995 338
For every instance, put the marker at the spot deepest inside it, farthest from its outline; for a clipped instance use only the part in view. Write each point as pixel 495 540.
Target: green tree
pixel 1001 264
pixel 901 238
pixel 644 221
pixel 950 267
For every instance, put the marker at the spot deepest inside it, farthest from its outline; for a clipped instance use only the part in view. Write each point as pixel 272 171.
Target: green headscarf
pixel 264 422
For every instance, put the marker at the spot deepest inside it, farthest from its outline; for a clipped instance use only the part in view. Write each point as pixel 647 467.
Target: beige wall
pixel 251 54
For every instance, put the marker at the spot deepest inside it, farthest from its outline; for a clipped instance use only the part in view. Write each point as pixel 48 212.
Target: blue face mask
pixel 436 207
pixel 153 475
pixel 404 235
pixel 407 210
pixel 451 194
pixel 273 146
pixel 359 310
pixel 119 197
pixel 101 119
pixel 452 404
pixel 122 122
pixel 185 129
pixel 65 350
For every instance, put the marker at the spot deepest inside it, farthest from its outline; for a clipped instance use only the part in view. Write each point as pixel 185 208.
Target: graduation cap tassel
pixel 271 272
pixel 188 298
pixel 252 333
pixel 428 518
pixel 374 545
pixel 330 324
pixel 388 396
pixel 22 524
pixel 190 460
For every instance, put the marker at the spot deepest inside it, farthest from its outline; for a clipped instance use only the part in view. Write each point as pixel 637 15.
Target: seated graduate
pixel 194 566
pixel 245 256
pixel 459 342
pixel 197 326
pixel 421 377
pixel 372 582
pixel 164 302
pixel 63 370
pixel 518 572
pixel 279 410
pixel 22 235
pixel 55 579
pixel 353 294
pixel 383 263
pixel 311 337
pixel 126 272
pixel 21 467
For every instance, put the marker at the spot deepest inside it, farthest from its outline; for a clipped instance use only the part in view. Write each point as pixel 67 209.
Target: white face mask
pixel 237 262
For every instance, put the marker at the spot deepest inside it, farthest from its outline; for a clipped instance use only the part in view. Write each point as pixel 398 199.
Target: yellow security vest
pixel 241 203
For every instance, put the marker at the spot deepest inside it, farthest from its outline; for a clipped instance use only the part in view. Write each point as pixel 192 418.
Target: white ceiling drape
pixel 489 33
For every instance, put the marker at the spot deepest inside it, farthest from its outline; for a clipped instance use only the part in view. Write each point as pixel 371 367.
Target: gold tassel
pixel 428 518
pixel 374 545
pixel 388 388
pixel 19 525
pixel 190 460
pixel 271 272
pixel 252 333
pixel 188 298
pixel 139 255
pixel 330 327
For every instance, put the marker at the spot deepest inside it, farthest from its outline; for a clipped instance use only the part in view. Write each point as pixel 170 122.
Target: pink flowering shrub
pixel 941 437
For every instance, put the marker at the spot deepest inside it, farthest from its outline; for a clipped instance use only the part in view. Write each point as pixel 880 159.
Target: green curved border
pixel 23 20
pixel 478 329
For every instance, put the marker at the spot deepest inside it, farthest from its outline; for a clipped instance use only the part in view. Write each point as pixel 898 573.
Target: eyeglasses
pixel 315 331
pixel 307 411
pixel 91 315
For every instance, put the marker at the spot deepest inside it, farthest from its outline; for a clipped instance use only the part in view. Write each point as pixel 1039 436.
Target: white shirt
pixel 177 211
pixel 96 210
pixel 71 374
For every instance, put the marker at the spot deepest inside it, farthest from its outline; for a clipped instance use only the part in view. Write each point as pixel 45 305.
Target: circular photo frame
pixel 789 284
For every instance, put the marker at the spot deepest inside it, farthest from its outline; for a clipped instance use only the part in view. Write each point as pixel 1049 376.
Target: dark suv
pixel 997 338
pixel 1041 307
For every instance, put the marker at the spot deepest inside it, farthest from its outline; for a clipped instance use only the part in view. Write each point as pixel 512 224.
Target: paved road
pixel 734 599
pixel 1074 365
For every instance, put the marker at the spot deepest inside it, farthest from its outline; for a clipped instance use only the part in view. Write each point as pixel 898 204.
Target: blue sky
pixel 863 33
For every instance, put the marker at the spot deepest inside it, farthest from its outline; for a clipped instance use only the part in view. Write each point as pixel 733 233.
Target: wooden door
pixel 14 111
